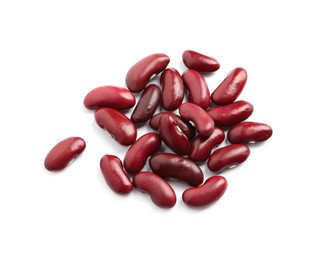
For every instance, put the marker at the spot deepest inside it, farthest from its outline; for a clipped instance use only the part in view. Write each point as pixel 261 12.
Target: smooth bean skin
pixel 172 136
pixel 249 132
pixel 199 62
pixel 114 175
pixel 201 147
pixel 169 165
pixel 172 89
pixel 185 126
pixel 109 96
pixel 203 123
pixel 228 156
pixel 120 127
pixel 63 153
pixel 138 153
pixel 140 73
pixel 198 91
pixel 161 193
pixel 231 87
pixel 147 104
pixel 231 114
pixel 212 190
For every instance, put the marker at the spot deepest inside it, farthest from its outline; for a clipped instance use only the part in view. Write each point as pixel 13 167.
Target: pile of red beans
pixel 193 135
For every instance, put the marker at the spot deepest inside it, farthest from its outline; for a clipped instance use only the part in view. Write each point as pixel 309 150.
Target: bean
pixel 231 114
pixel 114 175
pixel 174 166
pixel 120 127
pixel 138 153
pixel 63 153
pixel 157 188
pixel 172 135
pixel 109 96
pixel 147 104
pixel 227 157
pixel 198 91
pixel 231 87
pixel 200 62
pixel 201 147
pixel 172 89
pixel 140 73
pixel 203 123
pixel 213 188
pixel 249 132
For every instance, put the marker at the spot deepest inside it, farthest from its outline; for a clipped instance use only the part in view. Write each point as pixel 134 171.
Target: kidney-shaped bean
pixel 227 157
pixel 174 166
pixel 157 188
pixel 213 188
pixel 231 87
pixel 109 96
pixel 200 62
pixel 147 104
pixel 140 73
pixel 249 132
pixel 138 153
pixel 63 153
pixel 114 175
pixel 121 128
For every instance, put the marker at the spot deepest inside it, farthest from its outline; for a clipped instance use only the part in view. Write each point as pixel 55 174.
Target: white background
pixel 53 52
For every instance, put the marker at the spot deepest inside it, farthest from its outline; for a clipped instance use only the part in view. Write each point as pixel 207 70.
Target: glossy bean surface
pixel 174 166
pixel 200 62
pixel 249 132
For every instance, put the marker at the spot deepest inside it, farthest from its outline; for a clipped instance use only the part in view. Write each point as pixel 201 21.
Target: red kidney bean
pixel 213 188
pixel 114 175
pixel 185 126
pixel 147 104
pixel 231 114
pixel 174 166
pixel 157 188
pixel 138 153
pixel 109 96
pixel 172 135
pixel 249 132
pixel 231 87
pixel 203 123
pixel 200 62
pixel 140 73
pixel 121 128
pixel 227 157
pixel 63 153
pixel 201 147
pixel 172 89
pixel 198 91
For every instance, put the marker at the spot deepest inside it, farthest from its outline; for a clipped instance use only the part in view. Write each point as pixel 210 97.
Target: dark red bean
pixel 114 175
pixel 140 73
pixel 172 135
pixel 227 157
pixel 157 188
pixel 213 188
pixel 231 87
pixel 147 104
pixel 63 153
pixel 172 89
pixel 249 132
pixel 174 166
pixel 120 127
pixel 201 147
pixel 231 114
pixel 198 91
pixel 203 123
pixel 200 62
pixel 109 96
pixel 185 126
pixel 138 153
